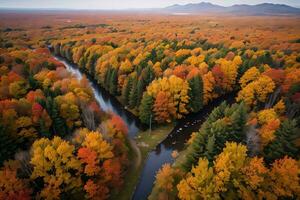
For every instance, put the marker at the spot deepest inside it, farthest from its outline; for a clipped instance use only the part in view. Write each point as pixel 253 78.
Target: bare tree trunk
pixel 88 117
pixel 253 141
pixel 272 99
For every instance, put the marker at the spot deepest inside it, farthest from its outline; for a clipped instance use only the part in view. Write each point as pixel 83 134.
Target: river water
pixel 174 142
pixel 163 153
pixel 106 101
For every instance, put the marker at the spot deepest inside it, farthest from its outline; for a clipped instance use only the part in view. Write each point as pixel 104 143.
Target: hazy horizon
pixel 125 4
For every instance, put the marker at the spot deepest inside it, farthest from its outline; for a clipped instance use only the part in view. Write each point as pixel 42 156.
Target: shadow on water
pixel 174 142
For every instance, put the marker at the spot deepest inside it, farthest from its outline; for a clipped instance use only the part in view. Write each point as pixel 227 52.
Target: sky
pixel 125 4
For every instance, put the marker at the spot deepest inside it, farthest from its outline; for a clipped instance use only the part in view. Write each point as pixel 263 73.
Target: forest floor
pixel 144 143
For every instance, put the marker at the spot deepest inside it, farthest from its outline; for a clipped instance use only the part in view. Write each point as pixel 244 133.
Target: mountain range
pixel 240 9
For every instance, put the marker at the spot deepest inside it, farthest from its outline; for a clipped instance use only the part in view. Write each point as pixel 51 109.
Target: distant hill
pixel 195 7
pixel 243 9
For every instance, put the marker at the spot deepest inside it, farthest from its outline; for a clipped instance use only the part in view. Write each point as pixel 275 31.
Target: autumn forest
pixel 95 106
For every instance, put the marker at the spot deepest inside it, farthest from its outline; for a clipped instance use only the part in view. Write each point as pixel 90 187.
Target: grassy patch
pixel 146 142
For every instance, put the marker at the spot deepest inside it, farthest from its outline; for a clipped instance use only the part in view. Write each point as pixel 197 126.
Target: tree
pixel 250 75
pixel 178 90
pixel 223 124
pixel 163 107
pixel 126 90
pixel 113 82
pixel 182 54
pixel 89 158
pixel 25 128
pixel 208 87
pixel 133 94
pixel 228 72
pixel 69 110
pixel 145 109
pixel 198 184
pixel 270 123
pixel 277 75
pixel 102 170
pixel 284 178
pixel 140 90
pixel 126 66
pixel 118 127
pixel 12 187
pixel 266 115
pixel 196 93
pixel 166 180
pixel 95 142
pixel 18 89
pixel 36 110
pixel 54 162
pixel 257 91
pixel 284 142
pixel 59 126
pixel 148 75
pixel 9 144
pixel 233 175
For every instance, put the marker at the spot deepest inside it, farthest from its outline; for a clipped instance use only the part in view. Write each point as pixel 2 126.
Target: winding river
pixel 163 152
pixel 106 101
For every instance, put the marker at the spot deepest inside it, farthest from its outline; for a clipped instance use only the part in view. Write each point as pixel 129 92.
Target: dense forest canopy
pixel 56 142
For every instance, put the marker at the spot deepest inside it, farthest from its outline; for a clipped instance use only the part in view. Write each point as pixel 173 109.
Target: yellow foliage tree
pixel 279 107
pixel 208 87
pixel 236 176
pixel 266 115
pixel 69 109
pixel 250 75
pixel 257 91
pixel 54 161
pixel 94 141
pixel 284 178
pixel 126 66
pixel 177 89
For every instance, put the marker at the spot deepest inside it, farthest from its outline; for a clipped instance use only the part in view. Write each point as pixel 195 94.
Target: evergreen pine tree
pixel 126 91
pixel 196 93
pixel 140 90
pixel 113 82
pixel 284 143
pixel 8 145
pixel 44 132
pixel 238 124
pixel 106 79
pixel 145 109
pixel 195 150
pixel 133 94
pixel 58 124
pixel 32 82
pixel 149 75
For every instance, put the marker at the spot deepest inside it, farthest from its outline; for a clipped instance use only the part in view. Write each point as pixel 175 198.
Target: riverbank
pixel 148 151
pixel 146 142
pixel 142 143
